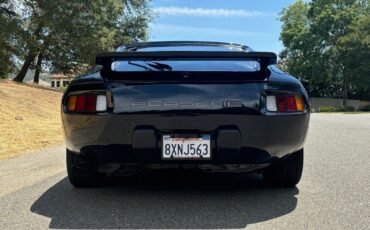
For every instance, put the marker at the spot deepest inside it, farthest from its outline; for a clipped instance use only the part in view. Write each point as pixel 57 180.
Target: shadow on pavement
pixel 159 201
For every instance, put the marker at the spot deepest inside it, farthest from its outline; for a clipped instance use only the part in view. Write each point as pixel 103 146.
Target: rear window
pixel 187 65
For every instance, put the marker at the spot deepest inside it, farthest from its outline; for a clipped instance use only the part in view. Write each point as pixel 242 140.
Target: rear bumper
pixel 136 138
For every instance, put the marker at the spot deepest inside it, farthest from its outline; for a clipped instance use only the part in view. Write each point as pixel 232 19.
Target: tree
pixel 66 35
pixel 356 55
pixel 10 27
pixel 323 41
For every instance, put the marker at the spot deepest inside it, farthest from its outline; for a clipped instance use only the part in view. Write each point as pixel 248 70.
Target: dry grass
pixel 29 118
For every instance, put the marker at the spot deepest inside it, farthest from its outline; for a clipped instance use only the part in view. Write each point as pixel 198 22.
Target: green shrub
pixel 336 109
pixel 326 109
pixel 365 108
pixel 345 109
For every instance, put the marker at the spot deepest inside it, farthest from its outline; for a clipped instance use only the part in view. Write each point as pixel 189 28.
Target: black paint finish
pixel 233 113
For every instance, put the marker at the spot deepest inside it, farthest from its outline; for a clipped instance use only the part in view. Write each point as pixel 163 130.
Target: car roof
pixel 183 46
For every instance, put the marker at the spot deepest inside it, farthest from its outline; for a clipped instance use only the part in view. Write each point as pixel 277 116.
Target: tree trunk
pixel 30 57
pixel 38 67
pixel 26 65
pixel 345 88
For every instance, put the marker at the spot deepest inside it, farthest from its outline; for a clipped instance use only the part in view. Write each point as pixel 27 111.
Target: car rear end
pixel 209 110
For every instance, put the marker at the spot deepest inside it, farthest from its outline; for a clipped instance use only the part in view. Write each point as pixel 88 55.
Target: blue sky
pixel 250 22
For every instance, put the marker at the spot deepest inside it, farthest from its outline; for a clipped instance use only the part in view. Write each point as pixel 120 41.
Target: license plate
pixel 186 148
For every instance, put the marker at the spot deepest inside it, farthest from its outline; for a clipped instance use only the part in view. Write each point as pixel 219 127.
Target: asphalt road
pixel 334 192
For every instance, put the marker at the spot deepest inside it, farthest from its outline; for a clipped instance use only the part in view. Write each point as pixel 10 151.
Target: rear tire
pixel 285 172
pixel 81 173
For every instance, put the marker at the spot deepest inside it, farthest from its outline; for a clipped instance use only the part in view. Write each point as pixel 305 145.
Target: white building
pixel 59 80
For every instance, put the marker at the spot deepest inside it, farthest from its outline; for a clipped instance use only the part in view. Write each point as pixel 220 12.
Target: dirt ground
pixel 29 118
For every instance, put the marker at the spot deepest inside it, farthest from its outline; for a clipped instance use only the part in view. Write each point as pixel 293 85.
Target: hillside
pixel 29 118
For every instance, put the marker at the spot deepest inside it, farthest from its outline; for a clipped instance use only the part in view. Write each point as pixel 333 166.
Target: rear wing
pixel 264 58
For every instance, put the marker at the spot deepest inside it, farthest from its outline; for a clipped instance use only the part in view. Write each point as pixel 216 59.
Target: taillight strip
pixel 285 103
pixel 71 104
pixel 90 104
pixel 80 104
pixel 87 103
pixel 101 103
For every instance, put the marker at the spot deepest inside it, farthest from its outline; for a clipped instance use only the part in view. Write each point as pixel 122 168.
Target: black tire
pixel 81 173
pixel 285 172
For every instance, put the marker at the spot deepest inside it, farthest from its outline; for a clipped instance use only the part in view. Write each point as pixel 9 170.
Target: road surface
pixel 334 192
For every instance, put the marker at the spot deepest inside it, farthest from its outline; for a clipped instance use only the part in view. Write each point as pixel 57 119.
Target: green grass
pixel 342 109
pixel 355 112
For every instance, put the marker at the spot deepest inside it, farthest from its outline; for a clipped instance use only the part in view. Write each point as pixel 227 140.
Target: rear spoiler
pixel 106 59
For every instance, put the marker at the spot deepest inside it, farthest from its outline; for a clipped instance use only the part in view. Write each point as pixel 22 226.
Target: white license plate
pixel 186 148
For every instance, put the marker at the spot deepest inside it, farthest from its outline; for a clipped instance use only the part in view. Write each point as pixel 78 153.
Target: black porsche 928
pixel 210 106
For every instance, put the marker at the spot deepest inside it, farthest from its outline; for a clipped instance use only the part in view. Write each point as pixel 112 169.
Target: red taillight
pixel 80 104
pixel 285 103
pixel 281 104
pixel 90 104
pixel 291 103
pixel 87 103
